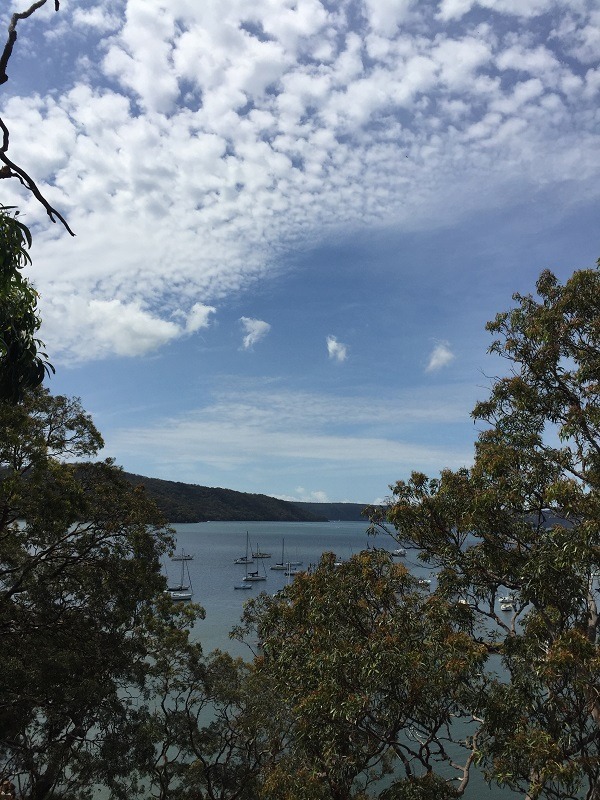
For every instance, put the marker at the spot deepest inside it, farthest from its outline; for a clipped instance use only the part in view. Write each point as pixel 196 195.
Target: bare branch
pixel 12 35
pixel 10 169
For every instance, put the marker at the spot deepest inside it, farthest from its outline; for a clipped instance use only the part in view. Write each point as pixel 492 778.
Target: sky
pixel 293 220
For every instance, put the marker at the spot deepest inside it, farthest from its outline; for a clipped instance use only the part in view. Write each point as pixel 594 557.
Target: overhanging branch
pixel 10 169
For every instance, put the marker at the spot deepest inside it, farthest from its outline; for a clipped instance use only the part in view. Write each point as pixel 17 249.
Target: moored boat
pixel 182 590
pixel 183 556
pixel 247 559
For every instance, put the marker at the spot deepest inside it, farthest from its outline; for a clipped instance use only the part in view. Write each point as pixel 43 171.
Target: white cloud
pixel 256 329
pixel 111 327
pixel 199 317
pixel 455 9
pixel 441 356
pixel 98 18
pixel 303 495
pixel 209 138
pixel 336 350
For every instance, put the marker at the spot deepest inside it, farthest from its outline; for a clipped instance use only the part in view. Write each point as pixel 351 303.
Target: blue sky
pixel 294 218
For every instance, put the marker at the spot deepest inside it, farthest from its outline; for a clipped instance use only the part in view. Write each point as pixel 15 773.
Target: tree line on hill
pixel 186 502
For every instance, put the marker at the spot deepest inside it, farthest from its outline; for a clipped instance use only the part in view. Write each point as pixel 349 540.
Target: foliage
pixel 212 720
pixel 370 671
pixel 525 520
pixel 80 596
pixel 23 364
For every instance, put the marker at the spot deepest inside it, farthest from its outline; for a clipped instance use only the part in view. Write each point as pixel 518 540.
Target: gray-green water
pixel 215 546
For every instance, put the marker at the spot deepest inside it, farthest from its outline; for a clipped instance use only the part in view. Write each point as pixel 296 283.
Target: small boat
pixel 243 586
pixel 183 590
pixel 181 594
pixel 183 556
pixel 290 571
pixel 508 598
pixel 399 552
pixel 259 554
pixel 283 564
pixel 507 607
pixel 254 576
pixel 247 559
pixel 424 582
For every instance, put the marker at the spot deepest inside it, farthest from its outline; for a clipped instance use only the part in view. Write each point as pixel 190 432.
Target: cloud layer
pixel 193 145
pixel 273 437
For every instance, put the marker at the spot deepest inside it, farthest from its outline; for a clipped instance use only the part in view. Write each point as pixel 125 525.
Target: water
pixel 216 545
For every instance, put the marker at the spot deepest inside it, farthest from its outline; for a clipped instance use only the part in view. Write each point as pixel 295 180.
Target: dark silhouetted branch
pixel 10 169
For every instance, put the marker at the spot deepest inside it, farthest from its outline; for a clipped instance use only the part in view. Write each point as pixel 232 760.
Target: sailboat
pixel 281 565
pixel 183 556
pixel 250 576
pixel 247 559
pixel 182 591
pixel 260 554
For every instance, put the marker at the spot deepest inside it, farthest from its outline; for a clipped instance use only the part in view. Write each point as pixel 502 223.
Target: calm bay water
pixel 215 546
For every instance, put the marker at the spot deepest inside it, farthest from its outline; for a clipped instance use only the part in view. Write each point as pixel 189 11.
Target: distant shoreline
pixel 187 502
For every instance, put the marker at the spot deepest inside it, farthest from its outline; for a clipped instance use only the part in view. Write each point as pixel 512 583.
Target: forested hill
pixel 344 512
pixel 186 502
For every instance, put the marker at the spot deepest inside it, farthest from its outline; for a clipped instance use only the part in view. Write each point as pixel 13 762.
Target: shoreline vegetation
pixel 186 502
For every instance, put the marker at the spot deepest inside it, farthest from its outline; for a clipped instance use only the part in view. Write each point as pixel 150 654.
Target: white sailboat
pixel 260 554
pixel 183 556
pixel 254 576
pixel 251 577
pixel 285 564
pixel 281 565
pixel 182 590
pixel 247 559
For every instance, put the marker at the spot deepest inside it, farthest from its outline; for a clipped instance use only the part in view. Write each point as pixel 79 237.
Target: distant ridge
pixel 186 502
pixel 344 512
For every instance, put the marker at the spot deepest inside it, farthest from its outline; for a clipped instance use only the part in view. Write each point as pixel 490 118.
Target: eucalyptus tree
pixel 208 724
pixel 368 672
pixel 23 362
pixel 81 603
pixel 524 521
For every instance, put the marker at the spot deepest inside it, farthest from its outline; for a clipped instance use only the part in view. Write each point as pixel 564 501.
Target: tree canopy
pixel 524 521
pixel 497 666
pixel 80 595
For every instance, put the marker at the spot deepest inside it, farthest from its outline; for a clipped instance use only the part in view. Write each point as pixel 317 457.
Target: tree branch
pixel 10 169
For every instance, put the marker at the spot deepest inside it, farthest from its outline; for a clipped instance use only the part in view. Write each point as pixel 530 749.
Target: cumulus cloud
pixel 199 317
pixel 194 143
pixel 110 326
pixel 336 350
pixel 441 356
pixel 255 329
